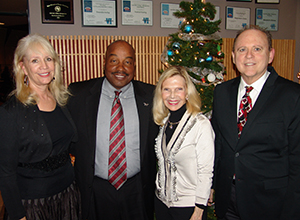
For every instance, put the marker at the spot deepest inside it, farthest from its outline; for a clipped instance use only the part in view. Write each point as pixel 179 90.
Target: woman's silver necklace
pixel 172 123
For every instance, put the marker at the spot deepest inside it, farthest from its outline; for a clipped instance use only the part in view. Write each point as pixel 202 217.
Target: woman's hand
pixel 24 218
pixel 197 215
pixel 211 198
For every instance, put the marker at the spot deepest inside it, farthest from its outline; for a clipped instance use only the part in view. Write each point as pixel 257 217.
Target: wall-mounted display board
pixel 267 18
pixel 237 18
pixel 102 13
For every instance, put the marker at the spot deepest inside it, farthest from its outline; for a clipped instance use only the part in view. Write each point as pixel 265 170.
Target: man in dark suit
pixel 257 167
pixel 91 106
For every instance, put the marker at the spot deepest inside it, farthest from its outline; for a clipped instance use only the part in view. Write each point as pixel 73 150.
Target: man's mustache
pixel 118 72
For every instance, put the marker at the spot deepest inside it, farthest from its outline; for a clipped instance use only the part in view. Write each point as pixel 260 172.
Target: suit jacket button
pixel 237 154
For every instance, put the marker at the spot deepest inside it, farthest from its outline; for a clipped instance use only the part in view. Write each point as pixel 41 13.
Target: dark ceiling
pixel 13 13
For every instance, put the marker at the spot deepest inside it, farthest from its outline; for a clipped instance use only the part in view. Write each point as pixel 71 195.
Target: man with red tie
pixel 256 119
pixel 115 161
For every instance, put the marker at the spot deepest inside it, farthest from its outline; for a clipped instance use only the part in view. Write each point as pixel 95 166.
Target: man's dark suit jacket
pixel 83 106
pixel 266 158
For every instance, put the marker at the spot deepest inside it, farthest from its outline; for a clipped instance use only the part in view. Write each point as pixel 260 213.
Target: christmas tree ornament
pixel 201 44
pixel 211 77
pixel 177 51
pixel 219 50
pixel 201 60
pixel 176 46
pixel 209 59
pixel 170 53
pixel 188 28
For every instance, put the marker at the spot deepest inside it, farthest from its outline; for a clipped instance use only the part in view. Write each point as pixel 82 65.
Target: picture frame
pixel 137 12
pixel 57 11
pixel 99 13
pixel 267 18
pixel 267 1
pixel 167 19
pixel 237 18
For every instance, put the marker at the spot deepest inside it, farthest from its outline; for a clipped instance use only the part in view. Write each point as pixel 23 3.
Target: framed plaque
pixel 57 12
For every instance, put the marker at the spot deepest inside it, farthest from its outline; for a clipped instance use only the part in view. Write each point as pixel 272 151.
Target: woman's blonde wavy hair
pixel 193 103
pixel 23 91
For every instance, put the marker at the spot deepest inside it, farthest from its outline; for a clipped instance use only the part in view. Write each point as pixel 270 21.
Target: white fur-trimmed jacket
pixel 186 164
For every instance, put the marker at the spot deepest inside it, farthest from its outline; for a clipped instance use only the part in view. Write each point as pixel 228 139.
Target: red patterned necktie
pixel 117 174
pixel 245 108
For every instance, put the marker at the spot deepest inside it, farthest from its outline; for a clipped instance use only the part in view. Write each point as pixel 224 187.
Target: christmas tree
pixel 197 47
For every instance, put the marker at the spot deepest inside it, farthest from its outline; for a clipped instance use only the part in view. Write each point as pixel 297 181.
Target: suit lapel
pixel 144 111
pixel 230 117
pixel 260 102
pixel 92 104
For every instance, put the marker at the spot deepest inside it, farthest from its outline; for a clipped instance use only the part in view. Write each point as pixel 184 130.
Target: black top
pixel 175 117
pixel 34 159
pixel 56 173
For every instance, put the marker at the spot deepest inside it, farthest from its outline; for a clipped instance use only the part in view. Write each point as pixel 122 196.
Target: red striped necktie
pixel 117 174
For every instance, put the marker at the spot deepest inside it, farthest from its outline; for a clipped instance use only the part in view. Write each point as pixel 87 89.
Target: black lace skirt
pixel 62 206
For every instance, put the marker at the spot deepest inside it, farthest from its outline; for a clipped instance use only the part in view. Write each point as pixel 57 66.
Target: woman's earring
pixel 187 98
pixel 26 80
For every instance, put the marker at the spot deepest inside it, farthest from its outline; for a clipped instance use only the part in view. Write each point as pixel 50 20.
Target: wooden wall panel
pixel 284 57
pixel 283 61
pixel 82 56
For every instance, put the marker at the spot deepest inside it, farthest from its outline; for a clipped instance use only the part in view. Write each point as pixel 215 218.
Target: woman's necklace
pixel 172 123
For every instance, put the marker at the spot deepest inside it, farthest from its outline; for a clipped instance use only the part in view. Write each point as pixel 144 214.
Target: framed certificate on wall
pixel 267 18
pixel 237 18
pixel 137 12
pixel 101 13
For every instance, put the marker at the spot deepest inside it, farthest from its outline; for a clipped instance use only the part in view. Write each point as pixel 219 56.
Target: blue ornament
pixel 209 59
pixel 170 52
pixel 188 28
pixel 176 46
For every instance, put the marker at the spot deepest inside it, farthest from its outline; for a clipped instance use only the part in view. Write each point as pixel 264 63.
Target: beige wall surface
pixel 288 24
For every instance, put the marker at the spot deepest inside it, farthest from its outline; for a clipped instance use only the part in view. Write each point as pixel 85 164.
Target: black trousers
pixel 162 212
pixel 123 204
pixel 232 211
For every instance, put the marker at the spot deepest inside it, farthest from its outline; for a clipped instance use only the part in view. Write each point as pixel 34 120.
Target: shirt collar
pixel 257 85
pixel 109 90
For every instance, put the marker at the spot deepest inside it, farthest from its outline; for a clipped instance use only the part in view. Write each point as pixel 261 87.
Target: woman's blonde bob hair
pixel 193 103
pixel 34 42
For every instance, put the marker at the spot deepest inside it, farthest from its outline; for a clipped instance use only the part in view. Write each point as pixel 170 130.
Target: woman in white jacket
pixel 184 149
